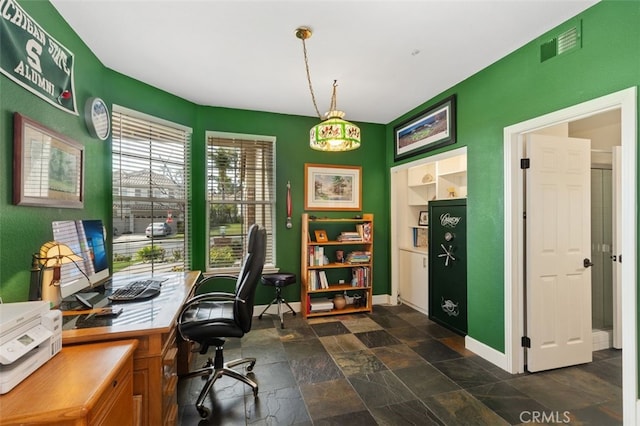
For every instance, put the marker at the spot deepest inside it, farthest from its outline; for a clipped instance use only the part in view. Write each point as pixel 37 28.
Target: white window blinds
pixel 240 192
pixel 150 185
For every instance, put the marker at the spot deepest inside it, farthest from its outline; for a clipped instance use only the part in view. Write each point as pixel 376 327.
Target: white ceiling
pixel 388 56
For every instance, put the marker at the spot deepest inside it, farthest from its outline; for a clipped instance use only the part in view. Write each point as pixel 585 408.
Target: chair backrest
pixel 249 276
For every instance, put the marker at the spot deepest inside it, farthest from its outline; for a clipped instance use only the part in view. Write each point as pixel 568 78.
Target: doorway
pixel 625 101
pixel 602 133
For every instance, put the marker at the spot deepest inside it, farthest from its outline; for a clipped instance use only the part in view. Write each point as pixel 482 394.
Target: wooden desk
pixel 157 361
pixel 81 385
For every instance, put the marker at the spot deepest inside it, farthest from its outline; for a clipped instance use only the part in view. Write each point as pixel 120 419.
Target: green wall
pixel 292 152
pixel 515 89
pixel 512 90
pixel 24 229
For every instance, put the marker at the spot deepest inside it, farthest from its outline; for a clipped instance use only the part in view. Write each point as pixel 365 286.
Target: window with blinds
pixel 150 185
pixel 240 192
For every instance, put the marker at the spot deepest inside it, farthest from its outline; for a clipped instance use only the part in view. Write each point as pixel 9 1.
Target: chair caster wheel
pixel 204 412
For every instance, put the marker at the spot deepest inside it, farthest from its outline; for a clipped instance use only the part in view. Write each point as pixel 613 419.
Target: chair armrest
pixel 212 279
pixel 216 296
pixel 205 297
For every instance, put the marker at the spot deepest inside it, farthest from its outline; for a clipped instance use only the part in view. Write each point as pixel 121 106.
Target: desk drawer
pixel 115 405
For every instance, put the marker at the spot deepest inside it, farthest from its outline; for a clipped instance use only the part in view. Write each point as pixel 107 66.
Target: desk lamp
pixel 47 265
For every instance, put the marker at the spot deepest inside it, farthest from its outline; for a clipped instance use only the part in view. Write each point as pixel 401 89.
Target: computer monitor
pixel 86 238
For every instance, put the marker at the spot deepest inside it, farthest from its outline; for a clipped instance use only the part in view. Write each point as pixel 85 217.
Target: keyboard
pixel 136 290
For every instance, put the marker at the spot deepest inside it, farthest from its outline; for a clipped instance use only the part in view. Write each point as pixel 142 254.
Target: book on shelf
pixel 324 283
pixel 316 256
pixel 360 276
pixel 311 280
pixel 317 280
pixel 364 231
pixel 420 237
pixel 320 304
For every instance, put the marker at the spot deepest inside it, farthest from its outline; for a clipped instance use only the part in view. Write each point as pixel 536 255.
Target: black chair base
pixel 213 370
pixel 278 281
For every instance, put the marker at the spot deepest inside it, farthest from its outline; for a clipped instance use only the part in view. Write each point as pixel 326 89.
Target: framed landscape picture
pixel 48 167
pixel 329 187
pixel 432 128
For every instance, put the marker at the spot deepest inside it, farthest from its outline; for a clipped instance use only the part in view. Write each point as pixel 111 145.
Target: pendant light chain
pixel 333 96
pixel 306 64
pixel 333 134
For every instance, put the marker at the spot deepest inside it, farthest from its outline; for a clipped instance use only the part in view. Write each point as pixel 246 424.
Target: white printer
pixel 30 335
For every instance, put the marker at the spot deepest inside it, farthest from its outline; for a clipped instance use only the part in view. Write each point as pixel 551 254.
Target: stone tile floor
pixel 395 367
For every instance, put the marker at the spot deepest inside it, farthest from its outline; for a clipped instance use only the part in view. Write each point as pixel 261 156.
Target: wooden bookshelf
pixel 352 277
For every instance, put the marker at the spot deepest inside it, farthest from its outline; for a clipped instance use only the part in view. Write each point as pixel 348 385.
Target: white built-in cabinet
pixel 413 185
pixel 412 274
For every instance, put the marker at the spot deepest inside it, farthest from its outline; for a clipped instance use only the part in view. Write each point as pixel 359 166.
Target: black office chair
pixel 209 318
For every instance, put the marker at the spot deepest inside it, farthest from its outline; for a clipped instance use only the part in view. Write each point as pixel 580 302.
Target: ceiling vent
pixel 568 41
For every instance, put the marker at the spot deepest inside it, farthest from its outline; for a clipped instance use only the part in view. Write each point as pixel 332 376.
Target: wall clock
pixel 96 116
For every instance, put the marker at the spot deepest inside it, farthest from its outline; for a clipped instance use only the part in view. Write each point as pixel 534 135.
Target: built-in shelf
pixel 414 186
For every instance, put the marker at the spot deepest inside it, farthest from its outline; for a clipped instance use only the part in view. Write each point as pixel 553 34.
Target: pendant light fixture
pixel 333 134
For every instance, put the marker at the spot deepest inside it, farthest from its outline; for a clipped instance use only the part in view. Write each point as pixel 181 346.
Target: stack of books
pixel 359 257
pixel 320 304
pixel 349 236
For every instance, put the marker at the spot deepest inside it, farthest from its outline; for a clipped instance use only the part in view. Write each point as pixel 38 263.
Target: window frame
pixel 269 265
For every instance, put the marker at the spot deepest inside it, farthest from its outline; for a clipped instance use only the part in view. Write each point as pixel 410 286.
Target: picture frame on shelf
pixel 48 167
pixel 423 218
pixel 430 129
pixel 332 187
pixel 321 236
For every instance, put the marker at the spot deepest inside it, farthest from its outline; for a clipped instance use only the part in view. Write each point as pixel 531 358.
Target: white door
pixel 558 234
pixel 616 250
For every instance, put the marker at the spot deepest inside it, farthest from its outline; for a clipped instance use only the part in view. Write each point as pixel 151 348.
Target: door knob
pixel 587 262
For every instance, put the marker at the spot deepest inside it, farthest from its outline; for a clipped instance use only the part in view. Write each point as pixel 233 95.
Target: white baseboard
pixel 486 352
pixel 381 299
pixel 273 309
pixel 602 339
